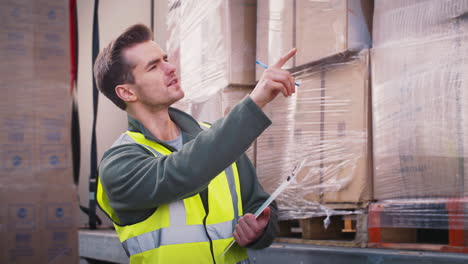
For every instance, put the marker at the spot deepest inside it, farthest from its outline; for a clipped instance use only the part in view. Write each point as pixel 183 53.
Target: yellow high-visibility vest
pixel 182 232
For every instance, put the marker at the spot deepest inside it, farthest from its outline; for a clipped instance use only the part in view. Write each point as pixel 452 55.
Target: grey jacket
pixel 137 182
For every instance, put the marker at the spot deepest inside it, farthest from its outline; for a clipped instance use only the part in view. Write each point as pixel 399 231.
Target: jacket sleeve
pixel 135 180
pixel 253 196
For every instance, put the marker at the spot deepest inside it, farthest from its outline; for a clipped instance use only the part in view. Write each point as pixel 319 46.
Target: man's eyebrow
pixel 155 61
pixel 151 62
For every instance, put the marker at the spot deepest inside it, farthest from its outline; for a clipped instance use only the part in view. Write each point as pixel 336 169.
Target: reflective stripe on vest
pixel 171 235
pixel 232 188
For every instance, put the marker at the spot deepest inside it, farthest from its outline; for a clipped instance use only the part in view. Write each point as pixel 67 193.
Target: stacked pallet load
pixel 420 101
pixel 212 44
pixel 318 29
pixel 38 199
pixel 324 134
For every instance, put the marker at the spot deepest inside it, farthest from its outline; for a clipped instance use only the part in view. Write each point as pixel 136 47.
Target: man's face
pixel 155 81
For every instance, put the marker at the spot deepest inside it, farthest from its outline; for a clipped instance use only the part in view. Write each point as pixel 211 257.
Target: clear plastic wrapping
pixel 316 28
pixel 212 43
pixel 417 21
pixel 438 224
pixel 420 213
pixel 420 106
pixel 323 128
pixel 420 99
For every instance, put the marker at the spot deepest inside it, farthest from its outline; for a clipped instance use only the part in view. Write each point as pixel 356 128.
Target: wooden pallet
pixel 344 230
pixel 433 225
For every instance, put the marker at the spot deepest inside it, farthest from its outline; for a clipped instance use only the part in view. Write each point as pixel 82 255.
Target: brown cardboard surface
pixel 273 163
pixel 34 40
pixel 343 145
pixel 274 32
pixel 215 52
pixel 17 40
pixel 34 135
pixel 419 135
pixel 326 125
pixel 37 195
pixel 419 99
pixel 320 29
pixel 415 21
pixel 242 37
pixel 317 29
pixel 41 224
pixel 51 40
pixel 347 125
pixel 214 46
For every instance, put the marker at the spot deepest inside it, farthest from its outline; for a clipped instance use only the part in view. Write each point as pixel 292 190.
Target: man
pixel 179 191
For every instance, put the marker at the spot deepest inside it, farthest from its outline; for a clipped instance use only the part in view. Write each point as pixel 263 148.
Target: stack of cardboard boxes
pixel 420 99
pixel 418 74
pixel 325 124
pixel 38 199
pixel 212 44
pixel 317 29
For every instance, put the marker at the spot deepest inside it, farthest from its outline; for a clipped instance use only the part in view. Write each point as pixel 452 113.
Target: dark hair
pixel 111 68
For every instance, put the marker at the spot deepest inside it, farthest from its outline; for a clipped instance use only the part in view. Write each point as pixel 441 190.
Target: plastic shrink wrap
pixel 212 44
pixel 316 28
pixel 38 200
pixel 325 132
pixel 420 99
pixel 325 127
pixel 420 106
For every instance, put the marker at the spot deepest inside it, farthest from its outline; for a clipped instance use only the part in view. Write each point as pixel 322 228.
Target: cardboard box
pixel 275 153
pixel 35 133
pixel 275 32
pixel 419 100
pixel 213 48
pixel 416 21
pixel 326 125
pixel 317 29
pixel 212 45
pixel 419 120
pixel 38 200
pixel 16 40
pixel 40 224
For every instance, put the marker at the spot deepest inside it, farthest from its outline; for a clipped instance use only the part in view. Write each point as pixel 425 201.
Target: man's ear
pixel 126 92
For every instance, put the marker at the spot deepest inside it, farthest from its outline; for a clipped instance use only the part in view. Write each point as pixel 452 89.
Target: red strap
pixel 73 70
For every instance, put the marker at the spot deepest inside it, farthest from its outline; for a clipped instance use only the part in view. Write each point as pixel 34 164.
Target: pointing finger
pixel 284 59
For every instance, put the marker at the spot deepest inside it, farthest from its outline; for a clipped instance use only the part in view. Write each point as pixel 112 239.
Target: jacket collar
pixel 187 124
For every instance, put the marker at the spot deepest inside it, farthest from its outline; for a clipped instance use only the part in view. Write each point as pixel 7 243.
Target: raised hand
pixel 274 80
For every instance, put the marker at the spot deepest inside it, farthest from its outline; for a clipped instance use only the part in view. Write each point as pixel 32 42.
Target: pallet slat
pixel 420 224
pixel 343 230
